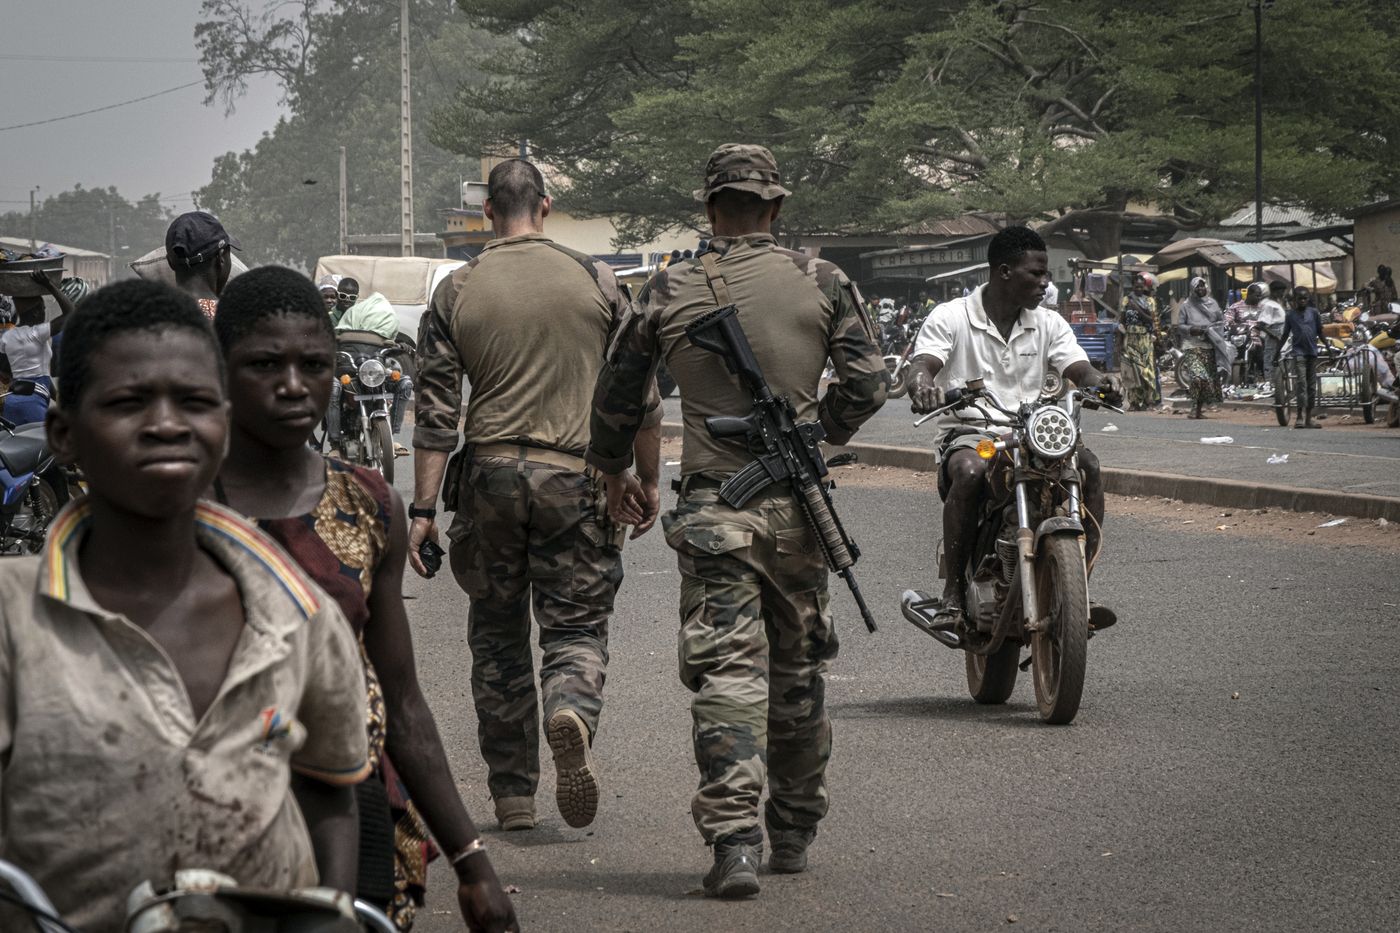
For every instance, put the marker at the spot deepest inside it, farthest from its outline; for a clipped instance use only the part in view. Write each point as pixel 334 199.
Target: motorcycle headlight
pixel 372 374
pixel 1051 433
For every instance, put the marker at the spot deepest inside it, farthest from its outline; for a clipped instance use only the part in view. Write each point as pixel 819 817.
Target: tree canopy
pixel 1069 114
pixel 337 66
pixel 95 218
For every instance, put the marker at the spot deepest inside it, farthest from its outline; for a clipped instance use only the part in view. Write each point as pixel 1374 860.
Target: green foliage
pixel 97 219
pixel 338 68
pixel 885 113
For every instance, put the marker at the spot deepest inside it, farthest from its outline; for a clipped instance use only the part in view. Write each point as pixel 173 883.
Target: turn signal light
pixel 396 375
pixel 986 448
pixel 345 379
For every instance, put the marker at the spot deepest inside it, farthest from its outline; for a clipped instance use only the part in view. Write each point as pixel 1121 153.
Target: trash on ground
pixel 1278 458
pixel 1222 439
pixel 1333 523
pixel 673 463
pixel 1109 428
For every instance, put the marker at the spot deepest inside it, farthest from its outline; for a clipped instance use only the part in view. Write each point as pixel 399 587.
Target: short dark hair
pixel 1278 286
pixel 515 188
pixel 126 307
pixel 1008 246
pixel 260 293
pixel 733 202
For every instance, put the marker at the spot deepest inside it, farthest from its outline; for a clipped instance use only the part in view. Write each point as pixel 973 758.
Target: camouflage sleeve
pixel 860 369
pixel 438 408
pixel 619 299
pixel 626 392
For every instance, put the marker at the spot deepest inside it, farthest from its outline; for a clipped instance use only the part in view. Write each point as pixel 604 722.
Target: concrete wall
pixel 1377 240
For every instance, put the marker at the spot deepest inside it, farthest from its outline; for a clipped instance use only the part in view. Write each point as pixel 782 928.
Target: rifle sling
pixel 710 261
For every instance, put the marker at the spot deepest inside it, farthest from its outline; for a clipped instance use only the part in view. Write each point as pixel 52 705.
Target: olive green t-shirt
pixel 796 312
pixel 528 323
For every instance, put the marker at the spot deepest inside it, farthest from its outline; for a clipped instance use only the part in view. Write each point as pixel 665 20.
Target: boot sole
pixel 576 790
pixel 734 889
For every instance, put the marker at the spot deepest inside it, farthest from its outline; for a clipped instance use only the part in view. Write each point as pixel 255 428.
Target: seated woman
pixel 164 668
pixel 346 528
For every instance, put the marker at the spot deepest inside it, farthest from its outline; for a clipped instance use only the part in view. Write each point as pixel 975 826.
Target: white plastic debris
pixel 673 463
pixel 1109 428
pixel 1223 439
pixel 1333 523
pixel 1278 458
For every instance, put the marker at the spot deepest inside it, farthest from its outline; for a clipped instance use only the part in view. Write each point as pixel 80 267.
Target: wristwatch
pixel 428 513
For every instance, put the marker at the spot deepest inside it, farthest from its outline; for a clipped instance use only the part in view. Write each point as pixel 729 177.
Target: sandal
pixel 1101 617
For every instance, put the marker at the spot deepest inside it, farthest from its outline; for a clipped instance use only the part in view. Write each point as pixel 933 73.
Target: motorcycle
pixel 207 900
pixel 1027 574
pixel 898 368
pixel 369 369
pixel 32 487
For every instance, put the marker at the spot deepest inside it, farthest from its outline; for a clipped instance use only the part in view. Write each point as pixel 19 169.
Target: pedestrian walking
pixel 1198 321
pixel 1138 325
pixel 756 634
pixel 345 527
pixel 199 252
pixel 1303 326
pixel 527 322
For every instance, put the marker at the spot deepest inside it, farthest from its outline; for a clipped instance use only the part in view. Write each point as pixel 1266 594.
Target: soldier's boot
pixel 789 849
pixel 576 787
pixel 735 872
pixel 515 813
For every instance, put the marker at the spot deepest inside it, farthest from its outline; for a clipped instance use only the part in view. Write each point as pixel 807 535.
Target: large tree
pixel 95 218
pixel 337 64
pixel 883 113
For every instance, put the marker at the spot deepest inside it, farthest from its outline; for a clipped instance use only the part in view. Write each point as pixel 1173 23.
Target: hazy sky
pixel 167 144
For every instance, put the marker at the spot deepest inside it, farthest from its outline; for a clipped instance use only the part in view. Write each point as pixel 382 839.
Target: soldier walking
pixel 756 635
pixel 527 322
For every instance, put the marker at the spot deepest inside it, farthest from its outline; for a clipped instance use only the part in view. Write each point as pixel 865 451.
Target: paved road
pixel 1165 806
pixel 1363 459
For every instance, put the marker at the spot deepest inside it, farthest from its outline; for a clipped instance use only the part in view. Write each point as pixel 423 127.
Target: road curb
pixel 1202 490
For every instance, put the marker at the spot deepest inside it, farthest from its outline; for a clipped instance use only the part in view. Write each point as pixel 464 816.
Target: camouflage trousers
pixel 755 642
pixel 528 534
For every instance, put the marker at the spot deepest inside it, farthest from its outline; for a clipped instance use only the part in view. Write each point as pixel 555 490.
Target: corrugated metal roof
pixel 21 244
pixel 1281 215
pixel 964 226
pixel 1269 253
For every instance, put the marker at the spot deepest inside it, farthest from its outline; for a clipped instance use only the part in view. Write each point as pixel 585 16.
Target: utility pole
pixel 342 201
pixel 406 136
pixel 1258 120
pixel 33 245
pixel 111 245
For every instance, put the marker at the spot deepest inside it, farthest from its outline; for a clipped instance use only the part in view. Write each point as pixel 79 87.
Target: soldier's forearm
pixel 849 404
pixel 647 451
pixel 428 469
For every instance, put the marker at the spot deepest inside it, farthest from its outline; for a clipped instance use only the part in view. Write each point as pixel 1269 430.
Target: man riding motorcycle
pixel 1000 334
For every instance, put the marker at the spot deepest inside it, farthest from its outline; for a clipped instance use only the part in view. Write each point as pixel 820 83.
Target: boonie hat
pixel 196 237
pixel 743 167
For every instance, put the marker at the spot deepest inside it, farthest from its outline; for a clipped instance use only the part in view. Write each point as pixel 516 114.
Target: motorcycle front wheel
pixel 899 384
pixel 382 447
pixel 1060 651
pixel 992 677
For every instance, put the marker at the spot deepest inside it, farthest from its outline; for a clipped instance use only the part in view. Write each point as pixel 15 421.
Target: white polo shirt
pixel 959 334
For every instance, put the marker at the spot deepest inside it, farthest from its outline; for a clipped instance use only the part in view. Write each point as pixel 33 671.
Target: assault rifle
pixel 790 450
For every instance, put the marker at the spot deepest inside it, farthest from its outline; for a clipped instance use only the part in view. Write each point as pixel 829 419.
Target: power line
pixel 70 116
pixel 95 58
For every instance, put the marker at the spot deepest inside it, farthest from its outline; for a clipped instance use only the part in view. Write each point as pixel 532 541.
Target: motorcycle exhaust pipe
pixel 916 607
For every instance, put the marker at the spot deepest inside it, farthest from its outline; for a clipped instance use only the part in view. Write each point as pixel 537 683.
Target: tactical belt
pixel 543 455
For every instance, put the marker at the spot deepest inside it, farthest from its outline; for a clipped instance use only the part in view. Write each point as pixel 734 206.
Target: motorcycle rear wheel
pixel 1060 652
pixel 382 447
pixel 992 677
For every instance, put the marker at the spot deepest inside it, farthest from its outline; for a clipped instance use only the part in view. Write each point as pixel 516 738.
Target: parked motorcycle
pixel 32 488
pixel 1027 575
pixel 369 369
pixel 898 368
